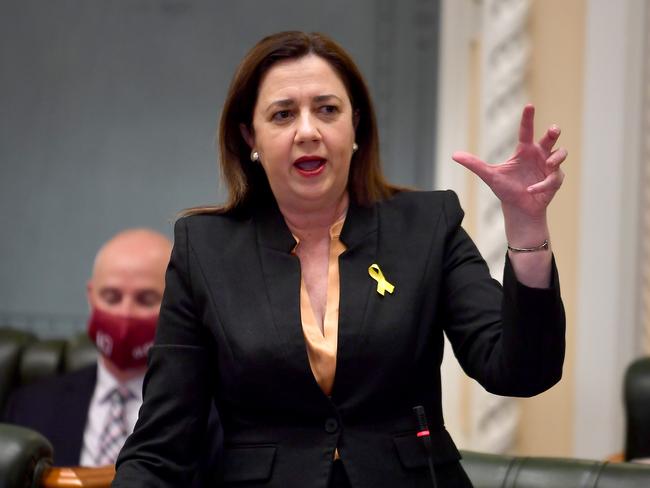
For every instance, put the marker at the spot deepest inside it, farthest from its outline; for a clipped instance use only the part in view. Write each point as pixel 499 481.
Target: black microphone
pixel 423 434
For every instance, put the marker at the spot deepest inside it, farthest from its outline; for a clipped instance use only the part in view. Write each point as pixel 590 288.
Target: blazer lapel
pixel 281 271
pixel 281 274
pixel 359 235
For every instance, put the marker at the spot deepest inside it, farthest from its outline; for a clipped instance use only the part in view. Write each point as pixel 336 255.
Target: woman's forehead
pixel 309 76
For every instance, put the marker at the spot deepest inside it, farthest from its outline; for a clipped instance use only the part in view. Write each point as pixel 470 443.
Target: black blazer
pixel 230 332
pixel 57 407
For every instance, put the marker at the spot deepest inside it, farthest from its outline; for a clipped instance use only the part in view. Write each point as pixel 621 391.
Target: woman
pixel 311 306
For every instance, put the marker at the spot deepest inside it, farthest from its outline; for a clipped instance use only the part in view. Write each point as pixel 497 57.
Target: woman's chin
pixel 312 198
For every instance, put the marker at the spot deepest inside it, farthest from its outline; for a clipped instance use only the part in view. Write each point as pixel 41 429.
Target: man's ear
pixel 247 134
pixel 89 294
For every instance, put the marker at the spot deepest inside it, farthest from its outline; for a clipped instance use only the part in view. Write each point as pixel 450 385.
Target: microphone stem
pixel 423 433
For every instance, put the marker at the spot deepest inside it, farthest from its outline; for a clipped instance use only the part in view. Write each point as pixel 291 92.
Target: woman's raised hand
pixel 528 180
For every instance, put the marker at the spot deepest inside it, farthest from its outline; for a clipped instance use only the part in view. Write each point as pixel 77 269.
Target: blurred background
pixel 108 114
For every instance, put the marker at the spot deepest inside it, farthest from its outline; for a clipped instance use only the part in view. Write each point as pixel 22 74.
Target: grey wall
pixel 108 112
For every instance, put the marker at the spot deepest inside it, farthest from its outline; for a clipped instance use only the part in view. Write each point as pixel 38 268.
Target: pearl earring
pixel 255 156
pixel 355 147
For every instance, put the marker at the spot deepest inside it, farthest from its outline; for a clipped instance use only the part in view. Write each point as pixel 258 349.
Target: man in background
pixel 88 414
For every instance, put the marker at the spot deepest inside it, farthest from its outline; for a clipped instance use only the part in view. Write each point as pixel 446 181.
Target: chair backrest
pixel 26 462
pixel 25 358
pixel 637 409
pixel 496 471
pixel 25 456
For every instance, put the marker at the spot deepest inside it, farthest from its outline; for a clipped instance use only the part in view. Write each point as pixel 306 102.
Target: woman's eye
pixel 329 109
pixel 282 115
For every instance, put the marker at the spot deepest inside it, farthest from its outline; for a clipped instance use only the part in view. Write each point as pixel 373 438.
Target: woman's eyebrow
pixel 288 102
pixel 283 103
pixel 325 98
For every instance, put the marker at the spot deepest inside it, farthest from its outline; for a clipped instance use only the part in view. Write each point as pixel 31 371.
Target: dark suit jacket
pixel 57 408
pixel 230 330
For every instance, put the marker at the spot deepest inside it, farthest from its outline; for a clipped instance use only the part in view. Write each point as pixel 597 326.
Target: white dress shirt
pixel 99 409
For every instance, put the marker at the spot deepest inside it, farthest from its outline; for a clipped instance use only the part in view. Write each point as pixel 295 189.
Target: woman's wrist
pixel 542 247
pixel 524 231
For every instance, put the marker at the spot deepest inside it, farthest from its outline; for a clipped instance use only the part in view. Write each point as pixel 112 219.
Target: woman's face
pixel 303 130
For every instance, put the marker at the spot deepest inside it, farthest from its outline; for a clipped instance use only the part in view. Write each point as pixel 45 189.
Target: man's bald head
pixel 129 273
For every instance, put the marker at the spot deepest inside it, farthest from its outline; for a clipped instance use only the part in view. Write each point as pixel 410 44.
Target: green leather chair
pixel 25 456
pixel 636 393
pixel 25 358
pixel 496 471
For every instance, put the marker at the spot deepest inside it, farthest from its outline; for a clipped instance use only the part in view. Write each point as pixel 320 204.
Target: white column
pixel 457 27
pixel 645 212
pixel 608 280
pixel 505 52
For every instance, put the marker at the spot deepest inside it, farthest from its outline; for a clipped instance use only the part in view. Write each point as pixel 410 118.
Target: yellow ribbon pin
pixel 383 285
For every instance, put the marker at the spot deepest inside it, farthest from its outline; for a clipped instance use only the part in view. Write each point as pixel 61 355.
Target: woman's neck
pixel 309 224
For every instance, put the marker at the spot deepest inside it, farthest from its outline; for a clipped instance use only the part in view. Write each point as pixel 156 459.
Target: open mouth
pixel 309 165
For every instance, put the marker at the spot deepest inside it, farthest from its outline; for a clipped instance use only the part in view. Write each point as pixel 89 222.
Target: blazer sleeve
pixel 163 450
pixel 510 339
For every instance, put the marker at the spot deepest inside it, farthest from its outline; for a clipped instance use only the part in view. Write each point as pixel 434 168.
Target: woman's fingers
pixel 550 138
pixel 473 163
pixel 551 183
pixel 556 158
pixel 527 126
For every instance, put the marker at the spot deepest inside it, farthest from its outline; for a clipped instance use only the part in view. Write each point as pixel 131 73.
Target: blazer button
pixel 331 425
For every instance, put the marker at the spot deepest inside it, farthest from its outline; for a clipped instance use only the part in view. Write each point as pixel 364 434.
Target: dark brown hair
pixel 245 181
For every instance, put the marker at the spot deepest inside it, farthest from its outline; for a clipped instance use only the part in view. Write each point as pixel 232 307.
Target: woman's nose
pixel 307 129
